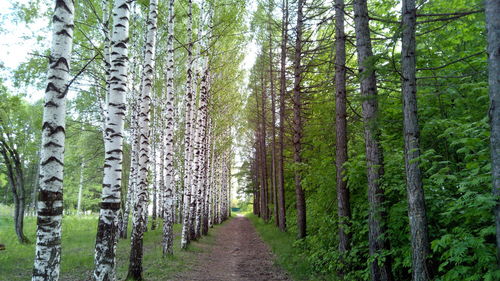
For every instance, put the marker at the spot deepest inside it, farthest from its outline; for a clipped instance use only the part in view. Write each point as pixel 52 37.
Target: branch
pixel 450 63
pixel 455 16
pixel 80 72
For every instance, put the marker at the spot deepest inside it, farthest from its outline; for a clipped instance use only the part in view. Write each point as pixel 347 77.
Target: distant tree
pixel 18 152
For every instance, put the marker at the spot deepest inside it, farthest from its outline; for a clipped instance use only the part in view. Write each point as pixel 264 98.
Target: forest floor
pixel 231 251
pixel 237 254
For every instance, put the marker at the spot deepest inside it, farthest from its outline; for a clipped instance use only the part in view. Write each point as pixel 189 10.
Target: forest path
pixel 238 254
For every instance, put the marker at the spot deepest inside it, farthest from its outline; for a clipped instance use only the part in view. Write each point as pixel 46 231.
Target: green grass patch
pixel 287 250
pixel 78 242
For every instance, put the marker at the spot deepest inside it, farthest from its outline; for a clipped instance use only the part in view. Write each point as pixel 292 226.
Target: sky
pixel 18 42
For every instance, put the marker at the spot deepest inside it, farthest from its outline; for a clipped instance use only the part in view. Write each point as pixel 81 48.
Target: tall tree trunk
pixel 113 145
pixel 187 134
pixel 134 162
pixel 153 166
pixel 50 195
pixel 274 196
pixel 416 200
pixel 297 124
pixel 344 208
pixel 141 205
pixel 493 28
pixel 281 175
pixel 168 223
pixel 264 208
pixel 80 189
pixel 380 269
pixel 202 134
pixel 207 195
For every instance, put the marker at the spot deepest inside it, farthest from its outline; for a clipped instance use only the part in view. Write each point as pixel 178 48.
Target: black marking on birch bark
pixel 52 159
pixel 49 243
pixel 116 135
pixel 47 195
pixel 110 206
pixel 123 6
pixel 51 104
pixel 52 87
pixel 59 61
pixel 120 45
pixel 50 211
pixel 56 19
pixel 54 77
pixel 119 89
pixel 53 130
pixel 109 130
pixel 111 158
pixel 64 32
pixel 62 4
pixel 107 166
pixel 114 78
pixel 114 151
pixel 51 143
pixel 63 94
pixel 53 179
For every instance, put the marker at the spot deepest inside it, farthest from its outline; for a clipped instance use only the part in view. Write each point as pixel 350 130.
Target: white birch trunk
pixel 50 195
pixel 168 234
pixel 133 171
pixel 106 237
pixel 80 190
pixel 141 204
pixel 187 136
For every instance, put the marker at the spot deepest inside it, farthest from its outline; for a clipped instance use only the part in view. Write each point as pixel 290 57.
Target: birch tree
pixel 113 145
pixel 50 191
pixel 140 211
pixel 168 235
pixel 187 134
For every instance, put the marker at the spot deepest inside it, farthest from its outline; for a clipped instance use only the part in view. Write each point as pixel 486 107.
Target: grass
pixel 283 245
pixel 78 241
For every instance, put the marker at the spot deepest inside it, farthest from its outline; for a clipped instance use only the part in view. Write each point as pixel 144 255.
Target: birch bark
pixel 50 195
pixel 187 135
pixel 106 237
pixel 168 235
pixel 140 211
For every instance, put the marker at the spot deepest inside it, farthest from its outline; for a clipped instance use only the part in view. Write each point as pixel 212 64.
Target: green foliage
pixel 454 137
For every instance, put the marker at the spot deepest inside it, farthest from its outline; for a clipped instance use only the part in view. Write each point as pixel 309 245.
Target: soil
pixel 238 254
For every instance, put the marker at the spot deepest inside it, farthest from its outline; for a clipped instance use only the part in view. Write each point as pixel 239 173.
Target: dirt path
pixel 238 254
